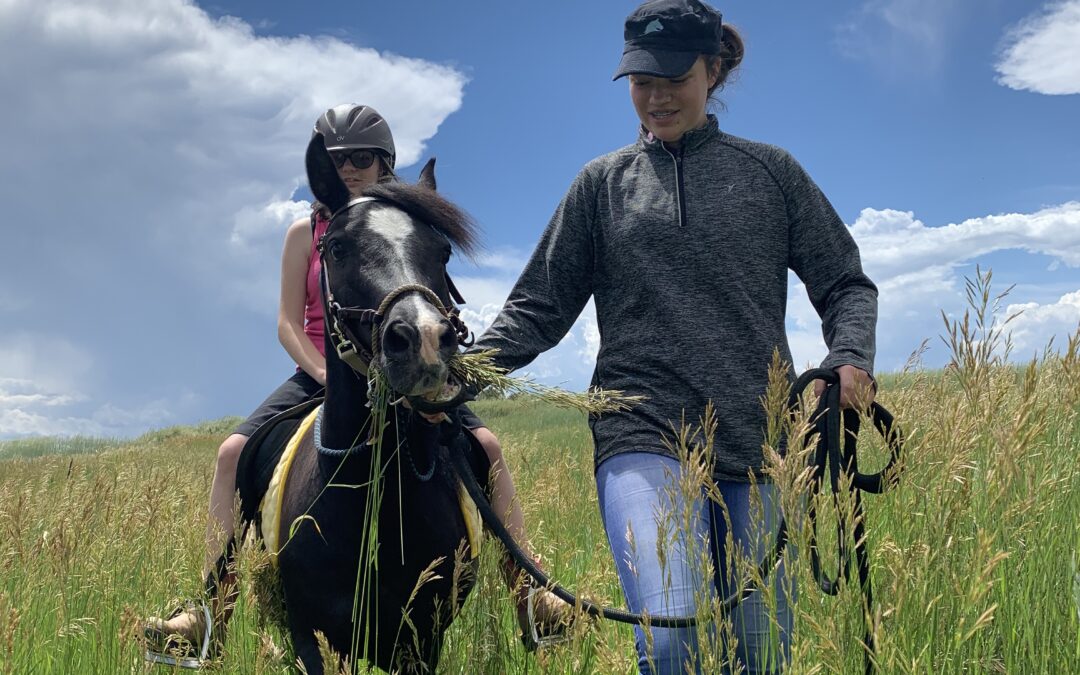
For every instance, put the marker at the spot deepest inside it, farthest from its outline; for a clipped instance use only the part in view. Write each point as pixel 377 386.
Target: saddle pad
pixel 260 456
pixel 270 508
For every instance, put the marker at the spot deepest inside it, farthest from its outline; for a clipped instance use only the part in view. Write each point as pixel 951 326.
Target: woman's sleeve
pixel 824 255
pixel 554 286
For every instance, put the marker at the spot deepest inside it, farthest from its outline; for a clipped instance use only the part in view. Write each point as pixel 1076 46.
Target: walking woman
pixel 684 239
pixel 360 142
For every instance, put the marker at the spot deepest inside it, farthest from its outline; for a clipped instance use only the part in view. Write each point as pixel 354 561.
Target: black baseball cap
pixel 665 37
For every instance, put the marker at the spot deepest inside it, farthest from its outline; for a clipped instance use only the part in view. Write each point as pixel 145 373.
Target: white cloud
pixel 18 422
pixel 106 422
pixel 182 140
pixel 590 334
pixel 920 270
pixel 484 291
pixel 894 242
pixel 807 347
pixel 570 363
pixel 195 124
pixel 41 393
pixel 273 87
pixel 1042 53
pixel 254 224
pixel 1035 322
pixel 15 393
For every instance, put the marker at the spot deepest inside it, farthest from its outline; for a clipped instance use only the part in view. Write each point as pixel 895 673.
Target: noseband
pixel 351 350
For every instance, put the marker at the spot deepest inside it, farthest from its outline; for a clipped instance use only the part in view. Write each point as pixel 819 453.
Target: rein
pixel 833 456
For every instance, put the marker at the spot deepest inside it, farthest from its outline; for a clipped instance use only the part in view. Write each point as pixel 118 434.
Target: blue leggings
pixel 639 495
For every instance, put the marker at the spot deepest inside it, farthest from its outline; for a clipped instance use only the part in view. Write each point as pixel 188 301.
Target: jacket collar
pixel 691 141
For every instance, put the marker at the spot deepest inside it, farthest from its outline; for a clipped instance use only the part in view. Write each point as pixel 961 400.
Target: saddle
pixel 260 457
pixel 267 456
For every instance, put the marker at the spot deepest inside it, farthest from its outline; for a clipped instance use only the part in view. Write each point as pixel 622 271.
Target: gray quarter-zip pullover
pixel 686 254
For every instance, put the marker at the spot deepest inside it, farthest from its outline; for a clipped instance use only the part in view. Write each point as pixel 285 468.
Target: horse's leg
pixel 306 648
pixel 294 586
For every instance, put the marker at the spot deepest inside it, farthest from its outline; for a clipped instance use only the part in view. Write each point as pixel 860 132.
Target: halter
pixel 351 350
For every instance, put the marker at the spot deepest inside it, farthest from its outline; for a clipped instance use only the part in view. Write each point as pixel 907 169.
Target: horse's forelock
pixel 429 207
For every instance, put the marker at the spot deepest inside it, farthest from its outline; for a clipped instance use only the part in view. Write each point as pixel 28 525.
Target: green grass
pixel 25 448
pixel 974 555
pixel 971 555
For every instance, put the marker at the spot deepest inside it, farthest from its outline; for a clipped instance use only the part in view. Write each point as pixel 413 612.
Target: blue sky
pixel 152 158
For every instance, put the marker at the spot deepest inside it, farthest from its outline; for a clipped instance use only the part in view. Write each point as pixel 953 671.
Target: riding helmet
pixel 349 126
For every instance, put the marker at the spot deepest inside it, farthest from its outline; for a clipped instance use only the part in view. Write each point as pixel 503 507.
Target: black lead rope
pixel 837 432
pixel 831 455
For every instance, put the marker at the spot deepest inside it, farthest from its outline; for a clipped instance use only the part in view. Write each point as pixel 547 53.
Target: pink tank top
pixel 314 324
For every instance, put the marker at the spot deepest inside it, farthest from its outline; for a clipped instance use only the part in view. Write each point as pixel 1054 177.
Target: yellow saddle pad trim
pixel 270 507
pixel 473 525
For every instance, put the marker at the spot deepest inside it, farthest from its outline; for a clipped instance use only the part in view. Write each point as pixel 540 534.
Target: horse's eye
pixel 337 251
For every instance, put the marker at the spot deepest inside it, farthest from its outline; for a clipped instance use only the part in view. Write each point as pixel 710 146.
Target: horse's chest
pixel 359 501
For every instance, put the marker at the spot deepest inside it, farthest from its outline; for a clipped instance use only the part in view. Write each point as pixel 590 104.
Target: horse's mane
pixel 427 206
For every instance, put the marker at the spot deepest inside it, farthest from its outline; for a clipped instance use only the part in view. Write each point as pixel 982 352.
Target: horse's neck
pixel 345 413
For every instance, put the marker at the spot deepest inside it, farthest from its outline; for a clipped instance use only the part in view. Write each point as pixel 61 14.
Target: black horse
pixel 370 521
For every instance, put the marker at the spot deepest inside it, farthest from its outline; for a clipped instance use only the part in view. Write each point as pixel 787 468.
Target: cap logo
pixel 654 27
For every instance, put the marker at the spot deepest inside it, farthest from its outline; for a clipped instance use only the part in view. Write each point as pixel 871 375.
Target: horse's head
pixel 384 260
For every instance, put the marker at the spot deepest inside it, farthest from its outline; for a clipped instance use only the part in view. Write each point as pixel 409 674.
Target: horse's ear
pixel 323 178
pixel 427 175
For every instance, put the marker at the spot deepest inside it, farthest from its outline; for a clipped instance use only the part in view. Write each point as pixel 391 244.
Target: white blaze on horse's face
pixel 397 229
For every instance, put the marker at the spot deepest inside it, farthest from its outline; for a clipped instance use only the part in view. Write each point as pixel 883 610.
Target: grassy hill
pixel 971 554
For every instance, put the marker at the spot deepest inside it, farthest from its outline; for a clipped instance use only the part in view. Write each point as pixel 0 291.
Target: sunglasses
pixel 361 159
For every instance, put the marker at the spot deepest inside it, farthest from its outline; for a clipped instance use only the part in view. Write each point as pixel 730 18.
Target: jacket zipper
pixel 678 157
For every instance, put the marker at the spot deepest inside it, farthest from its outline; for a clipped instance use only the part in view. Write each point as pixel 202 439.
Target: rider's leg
pixel 298 389
pixel 503 494
pixel 222 520
pixel 220 586
pixel 190 623
pixel 550 612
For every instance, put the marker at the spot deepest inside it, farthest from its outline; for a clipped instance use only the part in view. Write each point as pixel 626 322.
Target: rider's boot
pixel 547 620
pixel 193 634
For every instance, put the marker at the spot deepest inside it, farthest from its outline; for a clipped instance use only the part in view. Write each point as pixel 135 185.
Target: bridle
pixel 353 351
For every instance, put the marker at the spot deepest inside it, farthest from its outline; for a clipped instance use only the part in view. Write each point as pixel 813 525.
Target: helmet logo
pixel 341 138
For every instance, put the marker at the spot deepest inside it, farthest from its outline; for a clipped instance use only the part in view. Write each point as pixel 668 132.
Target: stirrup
pixel 558 637
pixel 181 654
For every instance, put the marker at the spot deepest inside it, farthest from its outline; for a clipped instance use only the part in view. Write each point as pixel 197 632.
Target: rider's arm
pixel 295 258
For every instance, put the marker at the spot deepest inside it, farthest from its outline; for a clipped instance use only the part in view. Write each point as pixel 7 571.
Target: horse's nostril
pixel 447 336
pixel 399 337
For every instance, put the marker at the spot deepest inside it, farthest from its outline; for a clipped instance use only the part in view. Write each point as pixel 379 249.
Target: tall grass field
pixel 974 555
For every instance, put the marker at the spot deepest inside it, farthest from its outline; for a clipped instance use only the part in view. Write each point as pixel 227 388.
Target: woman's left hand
pixel 857 388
